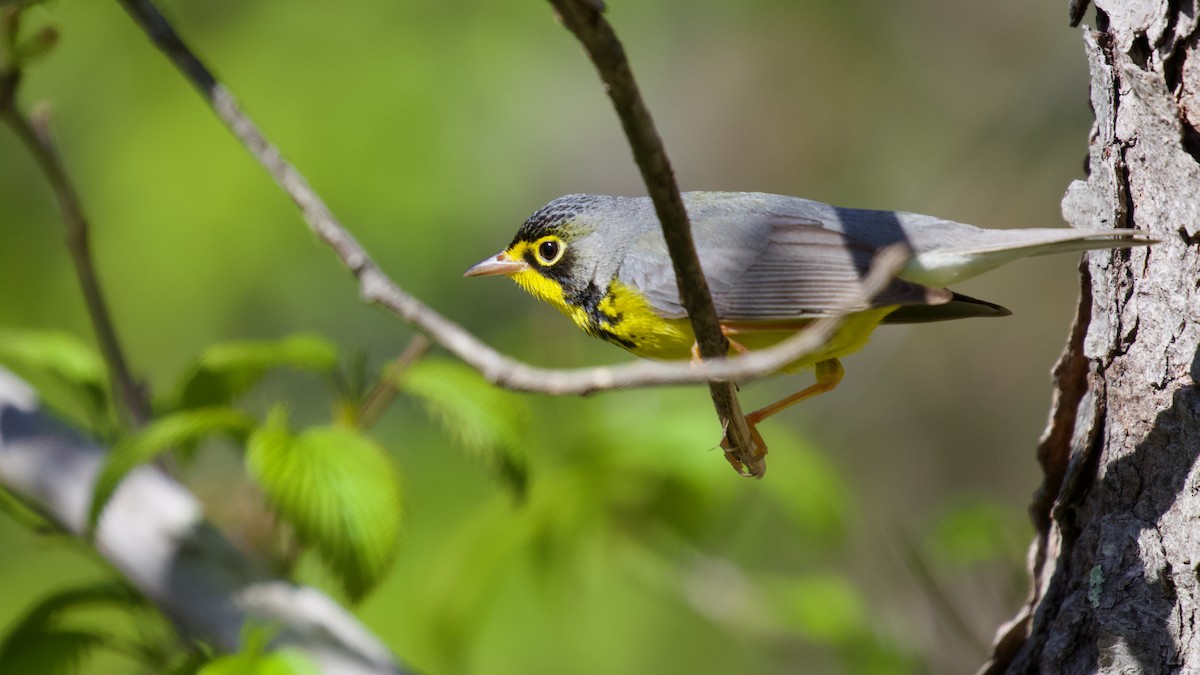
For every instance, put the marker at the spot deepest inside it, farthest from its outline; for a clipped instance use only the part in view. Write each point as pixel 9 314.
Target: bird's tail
pixel 1088 240
pixel 951 264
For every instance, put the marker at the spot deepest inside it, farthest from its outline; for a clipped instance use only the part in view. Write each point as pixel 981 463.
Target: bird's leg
pixel 829 373
pixel 734 345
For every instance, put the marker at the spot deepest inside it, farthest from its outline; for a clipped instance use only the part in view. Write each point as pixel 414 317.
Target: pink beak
pixel 496 265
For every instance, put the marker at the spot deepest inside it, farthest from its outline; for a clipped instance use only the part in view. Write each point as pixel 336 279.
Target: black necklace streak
pixel 588 299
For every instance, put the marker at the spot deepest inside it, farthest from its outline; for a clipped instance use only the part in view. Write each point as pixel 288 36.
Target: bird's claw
pixel 751 463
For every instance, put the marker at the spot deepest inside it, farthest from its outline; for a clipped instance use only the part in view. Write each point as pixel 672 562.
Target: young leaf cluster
pixel 491 423
pixel 338 490
pixel 331 486
pixel 334 487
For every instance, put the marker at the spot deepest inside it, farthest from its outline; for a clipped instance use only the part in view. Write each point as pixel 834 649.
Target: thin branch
pixel 377 288
pixel 384 392
pixel 586 21
pixel 34 133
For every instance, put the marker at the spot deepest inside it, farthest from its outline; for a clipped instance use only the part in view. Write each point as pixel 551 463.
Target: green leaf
pixel 48 652
pixel 338 490
pixel 38 644
pixel 68 375
pixel 486 420
pixel 51 608
pixel 255 659
pixel 22 514
pixel 226 371
pixel 157 437
pixel 284 661
pixel 188 663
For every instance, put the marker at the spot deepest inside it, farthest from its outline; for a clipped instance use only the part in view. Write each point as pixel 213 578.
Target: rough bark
pixel 1116 560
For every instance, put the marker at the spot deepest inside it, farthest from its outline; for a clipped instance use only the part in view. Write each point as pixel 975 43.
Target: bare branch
pixel 586 22
pixel 384 392
pixel 154 533
pixel 34 133
pixel 377 288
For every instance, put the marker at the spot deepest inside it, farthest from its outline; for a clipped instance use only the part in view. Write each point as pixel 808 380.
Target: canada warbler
pixel 773 264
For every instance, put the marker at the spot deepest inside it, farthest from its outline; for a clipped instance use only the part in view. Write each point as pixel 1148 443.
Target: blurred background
pixel 889 532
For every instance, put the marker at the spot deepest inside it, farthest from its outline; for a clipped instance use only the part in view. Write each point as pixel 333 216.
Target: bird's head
pixel 555 251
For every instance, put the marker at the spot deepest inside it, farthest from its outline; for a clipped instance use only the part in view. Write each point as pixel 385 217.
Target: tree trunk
pixel 1116 560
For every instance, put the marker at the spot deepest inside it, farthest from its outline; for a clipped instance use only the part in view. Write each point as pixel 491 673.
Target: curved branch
pixel 517 376
pixel 154 533
pixel 376 287
pixel 34 133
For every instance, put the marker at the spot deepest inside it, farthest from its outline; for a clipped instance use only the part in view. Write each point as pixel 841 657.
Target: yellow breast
pixel 621 315
pixel 617 314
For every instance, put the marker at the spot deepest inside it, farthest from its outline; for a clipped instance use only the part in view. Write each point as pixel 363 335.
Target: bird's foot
pixel 749 462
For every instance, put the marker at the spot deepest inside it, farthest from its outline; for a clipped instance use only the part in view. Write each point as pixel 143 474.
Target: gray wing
pixel 770 268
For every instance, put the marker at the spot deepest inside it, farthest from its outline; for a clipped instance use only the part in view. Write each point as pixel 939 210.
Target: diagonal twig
pixel 376 287
pixel 380 396
pixel 34 133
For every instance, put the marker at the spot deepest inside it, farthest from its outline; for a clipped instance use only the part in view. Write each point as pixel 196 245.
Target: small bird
pixel 773 265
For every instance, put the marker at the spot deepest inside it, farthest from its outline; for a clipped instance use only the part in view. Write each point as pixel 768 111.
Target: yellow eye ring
pixel 549 250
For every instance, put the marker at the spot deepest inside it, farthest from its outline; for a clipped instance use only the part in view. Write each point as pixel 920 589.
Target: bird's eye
pixel 549 251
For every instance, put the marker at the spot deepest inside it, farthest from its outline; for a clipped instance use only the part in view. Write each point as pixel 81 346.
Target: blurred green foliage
pixel 175 432
pixel 227 370
pixel 433 129
pixel 67 374
pixel 337 489
pixel 256 658
pixel 52 639
pixel 491 423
